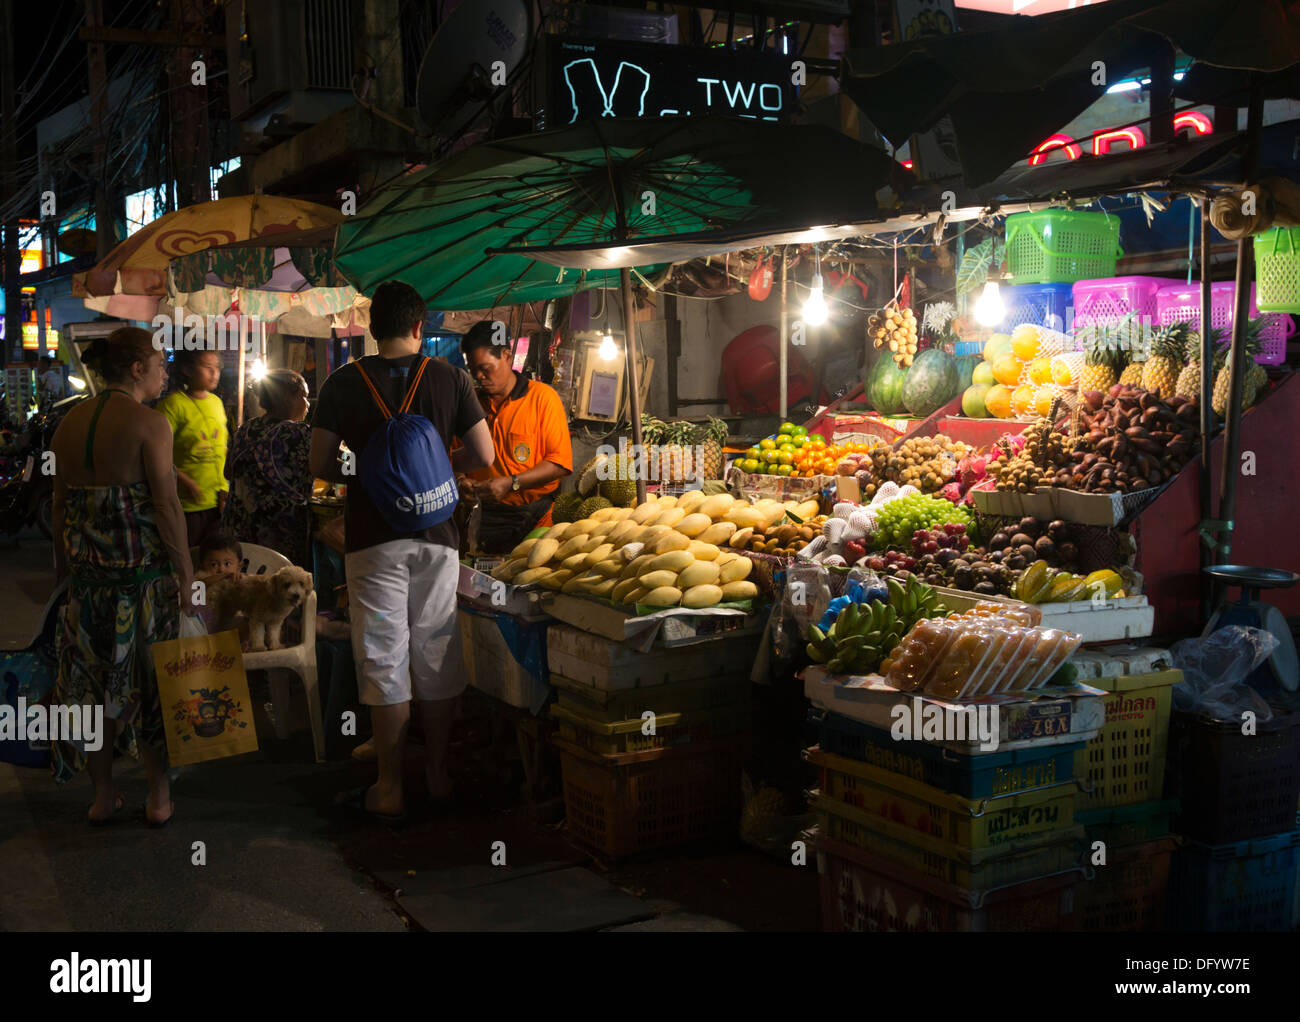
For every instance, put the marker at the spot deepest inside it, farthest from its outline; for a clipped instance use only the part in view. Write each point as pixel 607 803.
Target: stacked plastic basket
pixel 1182 302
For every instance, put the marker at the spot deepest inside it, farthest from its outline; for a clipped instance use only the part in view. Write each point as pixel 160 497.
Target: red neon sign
pixel 1188 120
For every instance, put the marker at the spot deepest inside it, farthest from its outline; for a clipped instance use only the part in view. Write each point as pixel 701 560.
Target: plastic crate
pixel 621 805
pixel 1127 895
pixel 1241 887
pixel 961 348
pixel 1234 786
pixel 1277 268
pixel 613 738
pixel 861 893
pixel 1182 302
pixel 968 823
pixel 492 668
pixel 978 776
pixel 1046 305
pixel 1057 246
pixel 1125 763
pixel 1107 301
pixel 1129 825
pixel 943 859
pixel 625 704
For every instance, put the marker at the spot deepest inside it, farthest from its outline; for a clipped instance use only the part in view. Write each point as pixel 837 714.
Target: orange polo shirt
pixel 528 427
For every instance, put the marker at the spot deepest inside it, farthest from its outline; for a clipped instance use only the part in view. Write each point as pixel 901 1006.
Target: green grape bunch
pixel 899 518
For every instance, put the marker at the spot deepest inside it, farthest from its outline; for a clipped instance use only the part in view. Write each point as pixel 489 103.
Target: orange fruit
pixel 1061 372
pixel 1024 341
pixel 1006 370
pixel 1040 370
pixel 1043 398
pixel 998 401
pixel 1022 400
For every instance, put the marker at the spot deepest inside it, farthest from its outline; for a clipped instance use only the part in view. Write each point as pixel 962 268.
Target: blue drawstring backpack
pixel 404 468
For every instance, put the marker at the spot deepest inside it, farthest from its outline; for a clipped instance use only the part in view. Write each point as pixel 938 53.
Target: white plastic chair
pixel 281 663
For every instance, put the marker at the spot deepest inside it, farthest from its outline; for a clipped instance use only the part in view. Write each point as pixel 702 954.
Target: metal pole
pixel 633 380
pixel 785 336
pixel 1237 357
pixel 239 386
pixel 1207 414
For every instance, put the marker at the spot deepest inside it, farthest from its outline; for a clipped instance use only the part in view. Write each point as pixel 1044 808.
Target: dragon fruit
pixel 972 470
pixel 953 492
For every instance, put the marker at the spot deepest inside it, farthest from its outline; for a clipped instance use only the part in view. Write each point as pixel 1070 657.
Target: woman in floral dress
pixel 270 479
pixel 119 533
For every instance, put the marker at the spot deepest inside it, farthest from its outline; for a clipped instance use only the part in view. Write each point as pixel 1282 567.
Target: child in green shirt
pixel 199 436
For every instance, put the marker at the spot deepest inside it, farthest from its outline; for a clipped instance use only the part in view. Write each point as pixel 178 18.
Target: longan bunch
pixel 896 328
pixel 927 462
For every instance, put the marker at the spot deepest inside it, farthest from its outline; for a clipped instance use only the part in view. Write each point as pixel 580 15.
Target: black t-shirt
pixel 446 398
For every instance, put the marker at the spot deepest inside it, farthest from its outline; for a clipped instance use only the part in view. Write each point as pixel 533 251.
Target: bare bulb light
pixel 77 382
pixel 258 369
pixel 608 349
pixel 989 310
pixel 814 308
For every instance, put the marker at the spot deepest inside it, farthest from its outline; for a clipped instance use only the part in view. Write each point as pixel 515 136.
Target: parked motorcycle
pixel 27 493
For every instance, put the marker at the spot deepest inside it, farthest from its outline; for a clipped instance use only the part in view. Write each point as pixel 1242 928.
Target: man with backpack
pixel 398 413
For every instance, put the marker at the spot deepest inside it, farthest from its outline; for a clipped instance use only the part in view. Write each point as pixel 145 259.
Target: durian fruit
pixel 618 484
pixel 588 478
pixel 591 505
pixel 565 508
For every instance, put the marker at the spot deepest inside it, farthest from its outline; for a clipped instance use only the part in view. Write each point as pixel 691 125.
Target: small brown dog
pixel 266 600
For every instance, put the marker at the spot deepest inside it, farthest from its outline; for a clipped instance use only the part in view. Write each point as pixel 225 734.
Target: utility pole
pixel 9 177
pixel 191 142
pixel 99 119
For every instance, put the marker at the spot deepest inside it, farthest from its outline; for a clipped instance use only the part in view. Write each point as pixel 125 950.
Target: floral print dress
pixel 270 487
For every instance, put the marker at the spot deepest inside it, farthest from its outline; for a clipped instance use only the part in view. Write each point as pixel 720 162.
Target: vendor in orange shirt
pixel 530 433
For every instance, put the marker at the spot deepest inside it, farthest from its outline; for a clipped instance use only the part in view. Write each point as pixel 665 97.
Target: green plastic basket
pixel 1060 246
pixel 1277 270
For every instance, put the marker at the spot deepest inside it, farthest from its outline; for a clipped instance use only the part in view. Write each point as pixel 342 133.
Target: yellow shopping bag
pixel 204 696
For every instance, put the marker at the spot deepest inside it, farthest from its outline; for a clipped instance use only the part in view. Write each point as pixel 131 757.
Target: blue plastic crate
pixel 1049 305
pixel 968 348
pixel 978 776
pixel 1244 887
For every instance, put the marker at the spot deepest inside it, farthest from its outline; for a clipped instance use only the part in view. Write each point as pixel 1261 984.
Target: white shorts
pixel 405 632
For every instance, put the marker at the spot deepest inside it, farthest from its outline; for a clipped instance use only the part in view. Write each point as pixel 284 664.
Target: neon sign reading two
pixel 1188 120
pixel 631 86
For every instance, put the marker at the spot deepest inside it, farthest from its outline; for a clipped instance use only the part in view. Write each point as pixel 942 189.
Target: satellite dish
pixel 456 75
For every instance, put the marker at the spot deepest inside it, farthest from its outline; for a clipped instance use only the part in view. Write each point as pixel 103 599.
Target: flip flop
pixel 157 824
pixel 355 801
pixel 112 817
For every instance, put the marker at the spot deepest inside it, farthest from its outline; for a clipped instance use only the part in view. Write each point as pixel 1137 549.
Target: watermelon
pixel 965 371
pixel 884 385
pixel 931 382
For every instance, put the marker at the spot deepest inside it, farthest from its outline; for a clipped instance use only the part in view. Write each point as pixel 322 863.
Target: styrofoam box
pixel 493 669
pixel 1119 663
pixel 1130 618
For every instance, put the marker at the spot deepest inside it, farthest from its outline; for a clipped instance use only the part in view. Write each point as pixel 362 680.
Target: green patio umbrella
pixel 460 231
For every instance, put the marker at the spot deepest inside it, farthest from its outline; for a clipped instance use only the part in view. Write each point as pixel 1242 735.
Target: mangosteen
pixel 979 566
pixel 1015 562
pixel 998 556
pixel 986 588
pixel 1058 530
pixel 1030 525
pixel 1045 548
pixel 934 578
pixel 947 556
pixel 963 576
pixel 1026 550
pixel 1022 539
pixel 999 540
pixel 1067 552
pixel 902 574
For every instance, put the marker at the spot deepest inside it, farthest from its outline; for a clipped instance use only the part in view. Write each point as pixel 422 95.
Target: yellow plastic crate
pixel 612 738
pixel 976 869
pixel 1125 763
pixel 966 822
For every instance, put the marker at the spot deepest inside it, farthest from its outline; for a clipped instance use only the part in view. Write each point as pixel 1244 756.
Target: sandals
pixel 355 801
pixel 111 818
pixel 157 824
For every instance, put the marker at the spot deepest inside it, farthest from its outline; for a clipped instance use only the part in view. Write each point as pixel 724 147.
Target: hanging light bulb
pixel 608 349
pixel 77 382
pixel 258 369
pixel 814 308
pixel 989 310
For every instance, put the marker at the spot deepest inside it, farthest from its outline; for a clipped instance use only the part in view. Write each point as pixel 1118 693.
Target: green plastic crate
pixel 1277 270
pixel 1060 246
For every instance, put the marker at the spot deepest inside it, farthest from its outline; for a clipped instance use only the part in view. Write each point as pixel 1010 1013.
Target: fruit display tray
pixel 1104 621
pixel 481 590
pixel 671 626
pixel 1025 720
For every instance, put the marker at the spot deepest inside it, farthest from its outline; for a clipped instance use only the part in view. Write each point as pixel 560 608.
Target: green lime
pixel 786 427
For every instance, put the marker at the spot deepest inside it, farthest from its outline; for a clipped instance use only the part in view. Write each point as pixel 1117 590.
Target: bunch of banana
pixel 858 639
pixel 913 601
pixel 1041 583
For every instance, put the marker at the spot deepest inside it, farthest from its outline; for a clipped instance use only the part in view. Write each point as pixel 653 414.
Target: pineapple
pixel 1250 380
pixel 1168 349
pixel 1101 363
pixel 714 436
pixel 1132 374
pixel 1189 380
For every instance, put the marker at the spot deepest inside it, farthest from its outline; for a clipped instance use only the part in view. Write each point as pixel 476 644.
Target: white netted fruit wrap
pixel 862 523
pixel 887 491
pixel 834 529
pixel 817 545
pixel 843 509
pixel 834 559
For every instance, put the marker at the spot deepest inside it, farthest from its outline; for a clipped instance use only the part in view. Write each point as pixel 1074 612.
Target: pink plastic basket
pixel 1183 302
pixel 1108 300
